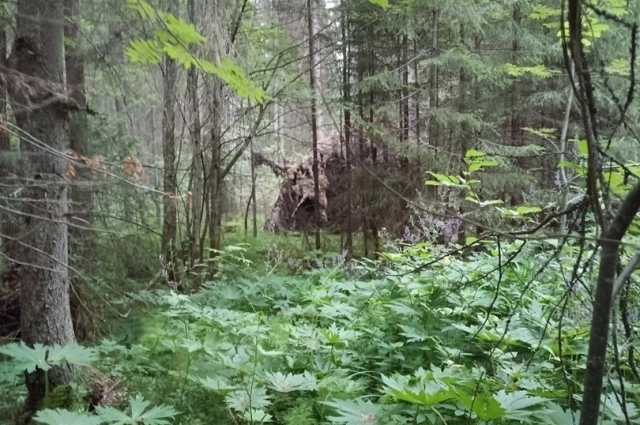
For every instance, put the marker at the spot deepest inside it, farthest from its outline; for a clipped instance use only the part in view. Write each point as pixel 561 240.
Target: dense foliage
pixel 497 336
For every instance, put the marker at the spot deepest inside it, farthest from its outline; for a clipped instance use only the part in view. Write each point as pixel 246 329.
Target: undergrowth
pixel 495 336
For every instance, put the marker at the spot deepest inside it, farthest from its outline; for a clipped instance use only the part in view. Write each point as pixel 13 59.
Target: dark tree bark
pixel 8 226
pixel 43 255
pixel 599 335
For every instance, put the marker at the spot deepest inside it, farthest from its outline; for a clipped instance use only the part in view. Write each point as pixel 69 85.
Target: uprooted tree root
pixel 343 207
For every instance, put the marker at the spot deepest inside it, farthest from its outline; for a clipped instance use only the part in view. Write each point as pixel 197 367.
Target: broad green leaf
pixel 242 400
pixel 26 358
pixel 484 405
pixel 44 357
pixel 139 413
pixel 72 354
pixel 218 384
pixel 426 392
pixel 65 417
pixel 518 400
pixel 360 412
pixel 292 382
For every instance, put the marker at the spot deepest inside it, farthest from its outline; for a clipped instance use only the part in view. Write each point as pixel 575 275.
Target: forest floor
pixel 287 336
pixel 340 342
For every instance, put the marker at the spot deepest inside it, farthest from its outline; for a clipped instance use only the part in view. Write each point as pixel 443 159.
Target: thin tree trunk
pixel 197 162
pixel 43 255
pixel 215 172
pixel 346 93
pixel 405 89
pixel 170 215
pixel 600 321
pixel 254 200
pixel 314 126
pixel 433 129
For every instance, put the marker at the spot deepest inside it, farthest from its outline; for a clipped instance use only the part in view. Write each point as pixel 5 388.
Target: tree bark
pixel 8 156
pixel 599 335
pixel 170 213
pixel 346 95
pixel 43 255
pixel 314 125
pixel 197 161
pixel 216 173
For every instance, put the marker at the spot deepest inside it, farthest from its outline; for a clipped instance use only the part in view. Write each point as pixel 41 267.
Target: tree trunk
pixel 81 193
pixel 215 172
pixel 8 226
pixel 170 214
pixel 433 129
pixel 254 200
pixel 43 255
pixel 314 125
pixel 346 95
pixel 197 161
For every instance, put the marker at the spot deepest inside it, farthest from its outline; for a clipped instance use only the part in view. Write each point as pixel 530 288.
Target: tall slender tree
pixel 170 180
pixel 314 122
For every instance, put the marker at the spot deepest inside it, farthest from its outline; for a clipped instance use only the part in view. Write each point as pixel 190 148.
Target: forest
pixel 319 212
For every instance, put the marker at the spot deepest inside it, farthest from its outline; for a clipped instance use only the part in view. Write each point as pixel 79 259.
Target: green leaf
pixel 382 3
pixel 72 354
pixel 290 382
pixel 26 358
pixel 157 415
pixel 522 210
pixel 359 412
pixel 583 148
pixel 470 239
pixel 65 417
pixel 445 179
pixel 218 384
pixel 484 405
pixel 484 203
pixel 473 153
pixel 619 67
pixel 539 12
pixel 425 392
pixel 567 164
pixel 242 401
pixel 44 357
